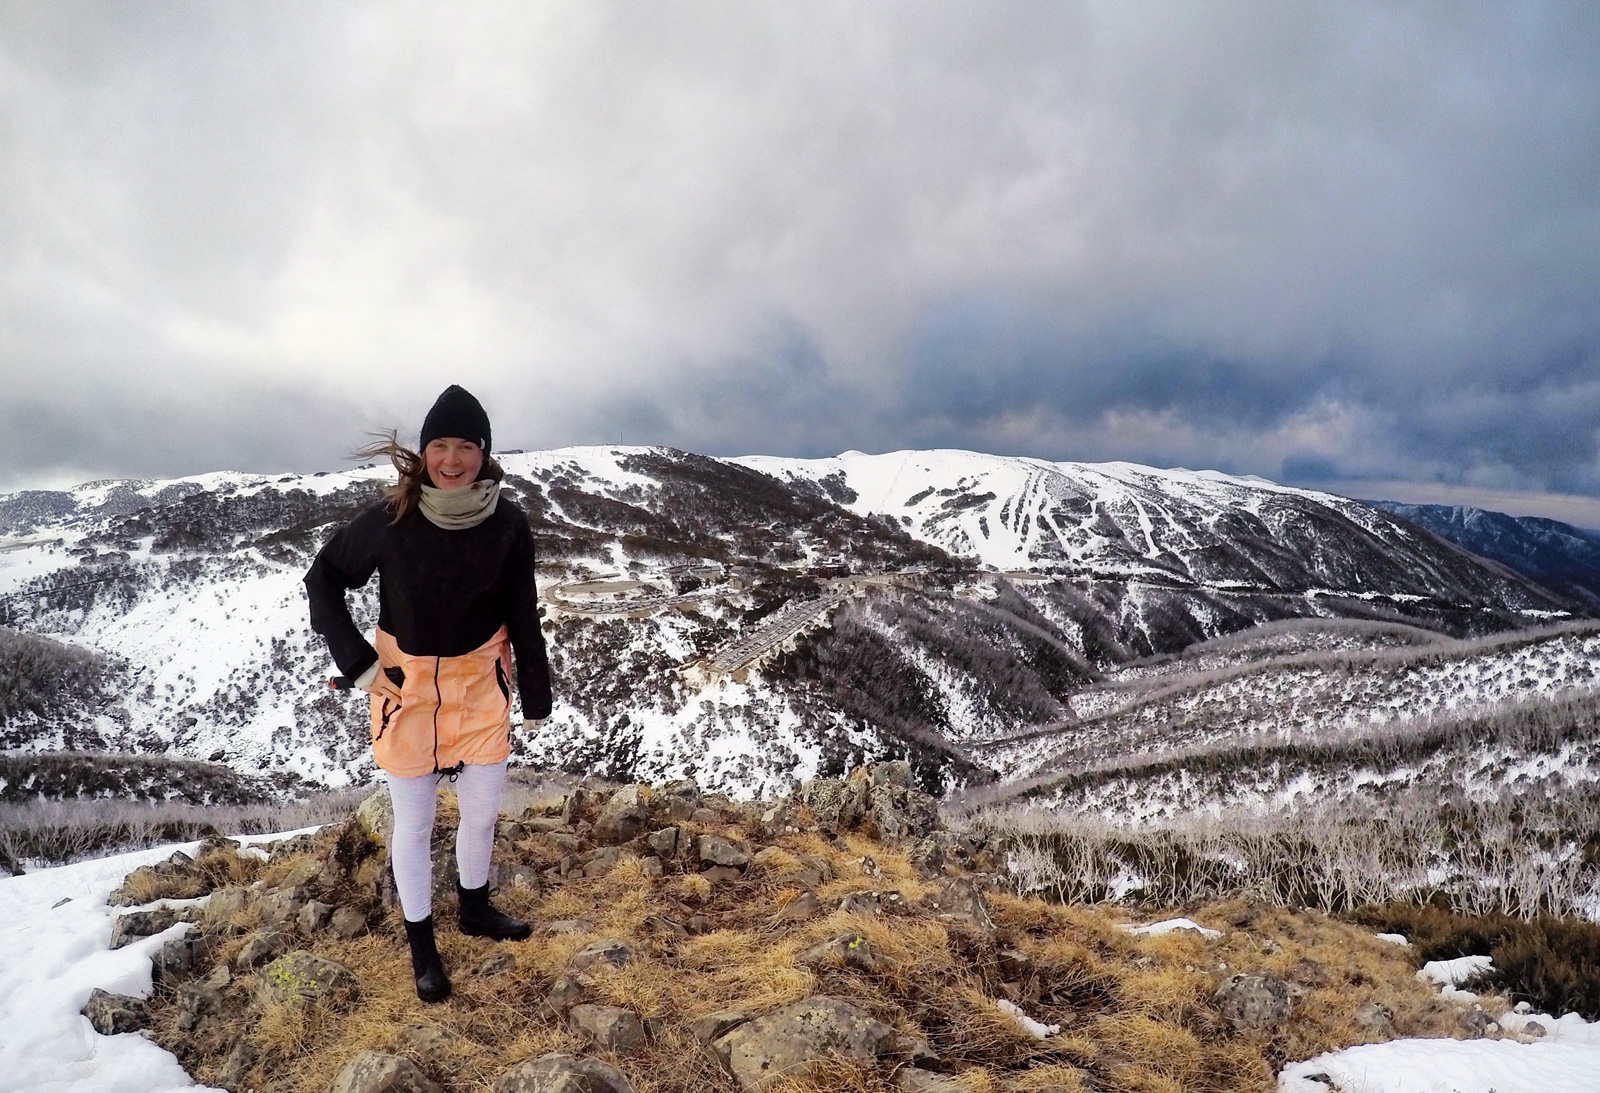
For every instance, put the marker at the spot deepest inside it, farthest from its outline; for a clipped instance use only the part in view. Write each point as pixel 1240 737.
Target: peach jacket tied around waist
pixel 452 709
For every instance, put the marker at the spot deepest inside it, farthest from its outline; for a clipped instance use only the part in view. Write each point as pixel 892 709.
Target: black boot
pixel 432 984
pixel 478 919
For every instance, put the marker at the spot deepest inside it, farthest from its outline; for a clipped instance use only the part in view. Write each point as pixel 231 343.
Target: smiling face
pixel 453 462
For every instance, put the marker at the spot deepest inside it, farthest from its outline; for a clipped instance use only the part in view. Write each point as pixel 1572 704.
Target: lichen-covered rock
pixel 844 950
pixel 784 1043
pixel 137 924
pixel 376 814
pixel 111 1014
pixel 1253 1001
pixel 301 977
pixel 610 1027
pixel 563 1073
pixel 375 1072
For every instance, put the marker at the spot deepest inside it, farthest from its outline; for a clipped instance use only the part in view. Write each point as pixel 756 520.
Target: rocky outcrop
pixel 562 1073
pixel 114 1013
pixel 375 1072
pixel 760 1053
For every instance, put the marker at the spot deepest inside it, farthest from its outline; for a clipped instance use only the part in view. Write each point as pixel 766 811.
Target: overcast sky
pixel 1331 244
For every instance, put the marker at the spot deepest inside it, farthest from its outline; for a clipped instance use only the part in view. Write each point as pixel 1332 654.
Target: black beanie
pixel 457 413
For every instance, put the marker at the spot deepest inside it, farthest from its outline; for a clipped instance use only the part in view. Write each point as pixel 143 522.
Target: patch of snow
pixel 1394 939
pixel 1453 973
pixel 1034 1028
pixel 1449 1066
pixel 1166 926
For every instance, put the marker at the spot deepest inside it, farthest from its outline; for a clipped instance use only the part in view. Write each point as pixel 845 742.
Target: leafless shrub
pixel 1509 855
pixel 51 832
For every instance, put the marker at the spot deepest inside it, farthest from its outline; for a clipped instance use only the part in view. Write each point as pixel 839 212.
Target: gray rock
pixel 376 814
pixel 664 842
pixel 375 1072
pixel 1014 964
pixel 599 861
pixel 495 964
pixel 567 991
pixel 236 1068
pixel 194 1002
pixel 1475 1022
pixel 1375 1019
pixel 805 905
pixel 859 903
pixel 844 950
pixel 715 850
pixel 301 976
pixel 677 800
pixel 314 916
pixel 911 1080
pixel 610 1027
pixel 137 924
pixel 960 899
pixel 264 946
pixel 227 902
pixel 182 957
pixel 784 1043
pixel 608 950
pixel 563 1073
pixel 624 816
pixel 346 923
pixel 111 1014
pixel 424 1039
pixel 1253 1001
pixel 279 906
pixel 712 1025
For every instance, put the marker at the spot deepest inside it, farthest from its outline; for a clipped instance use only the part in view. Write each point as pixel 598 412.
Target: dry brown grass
pixel 1136 1012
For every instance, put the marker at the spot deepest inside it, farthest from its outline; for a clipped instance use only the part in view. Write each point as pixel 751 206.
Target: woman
pixel 456 603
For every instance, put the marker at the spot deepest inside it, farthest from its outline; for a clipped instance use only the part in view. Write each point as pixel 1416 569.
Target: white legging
pixel 478 792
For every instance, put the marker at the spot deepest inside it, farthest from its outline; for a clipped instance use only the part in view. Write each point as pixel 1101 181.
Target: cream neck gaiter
pixel 466 507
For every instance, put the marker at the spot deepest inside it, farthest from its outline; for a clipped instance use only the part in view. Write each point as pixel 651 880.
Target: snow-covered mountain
pixel 749 621
pixel 1559 556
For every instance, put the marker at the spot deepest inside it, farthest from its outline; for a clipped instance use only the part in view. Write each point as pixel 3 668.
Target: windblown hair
pixel 406 494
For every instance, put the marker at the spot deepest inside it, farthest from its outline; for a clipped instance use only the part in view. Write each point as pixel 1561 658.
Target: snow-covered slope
pixel 948 598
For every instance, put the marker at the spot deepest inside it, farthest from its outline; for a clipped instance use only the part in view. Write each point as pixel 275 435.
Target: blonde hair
pixel 412 468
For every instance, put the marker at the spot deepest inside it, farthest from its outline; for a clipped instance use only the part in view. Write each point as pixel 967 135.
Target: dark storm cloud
pixel 1329 243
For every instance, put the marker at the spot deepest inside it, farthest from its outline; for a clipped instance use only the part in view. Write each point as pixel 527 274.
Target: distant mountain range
pixel 1562 558
pixel 747 621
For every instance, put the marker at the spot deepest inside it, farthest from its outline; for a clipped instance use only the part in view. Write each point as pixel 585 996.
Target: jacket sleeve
pixel 522 624
pixel 347 560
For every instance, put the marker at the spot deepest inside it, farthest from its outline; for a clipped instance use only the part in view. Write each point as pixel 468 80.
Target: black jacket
pixel 440 592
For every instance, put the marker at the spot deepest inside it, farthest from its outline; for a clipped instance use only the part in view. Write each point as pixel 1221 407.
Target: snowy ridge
pixel 980 597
